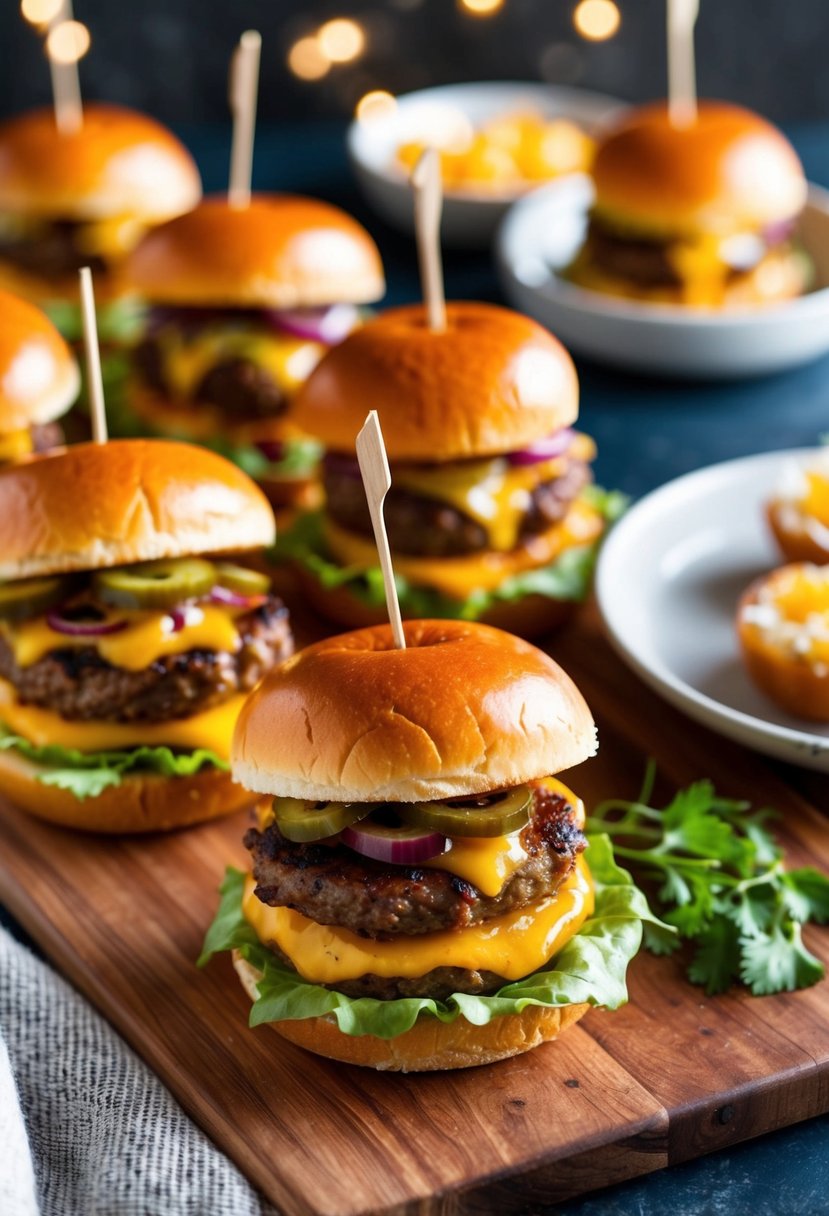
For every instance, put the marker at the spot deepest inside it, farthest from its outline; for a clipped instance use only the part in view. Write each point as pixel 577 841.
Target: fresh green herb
pixel 720 881
pixel 87 774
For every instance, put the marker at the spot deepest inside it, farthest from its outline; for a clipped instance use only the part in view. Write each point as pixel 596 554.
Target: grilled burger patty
pixel 51 250
pixel 79 685
pixel 333 885
pixel 426 527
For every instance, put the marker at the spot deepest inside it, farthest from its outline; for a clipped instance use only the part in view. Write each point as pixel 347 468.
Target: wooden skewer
pixel 97 405
pixel 682 83
pixel 66 85
pixel 374 470
pixel 428 205
pixel 244 86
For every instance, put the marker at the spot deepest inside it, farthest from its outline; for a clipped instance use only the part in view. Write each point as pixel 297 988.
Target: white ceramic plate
pixel 668 581
pixel 540 237
pixel 469 220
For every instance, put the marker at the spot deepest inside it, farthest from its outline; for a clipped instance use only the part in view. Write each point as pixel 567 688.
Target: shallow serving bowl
pixel 470 218
pixel 539 239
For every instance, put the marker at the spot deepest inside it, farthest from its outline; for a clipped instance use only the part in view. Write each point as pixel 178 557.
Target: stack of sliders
pixel 39 380
pixel 244 302
pixel 700 213
pixel 127 641
pixel 84 198
pixel 418 896
pixel 491 515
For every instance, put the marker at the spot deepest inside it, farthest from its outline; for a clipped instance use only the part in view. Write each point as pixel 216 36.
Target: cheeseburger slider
pixel 244 302
pixel 701 215
pixel 419 896
pixel 127 640
pixel 490 514
pixel 39 379
pixel 84 198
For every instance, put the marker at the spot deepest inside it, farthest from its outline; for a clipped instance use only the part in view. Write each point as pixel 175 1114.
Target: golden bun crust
pixel 730 171
pixel 493 382
pixel 533 616
pixel 120 163
pixel 130 500
pixel 141 803
pixel 282 251
pixel 800 536
pixel 781 275
pixel 465 708
pixel 39 378
pixel 430 1045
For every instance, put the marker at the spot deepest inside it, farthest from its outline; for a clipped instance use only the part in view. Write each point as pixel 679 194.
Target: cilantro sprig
pixel 719 877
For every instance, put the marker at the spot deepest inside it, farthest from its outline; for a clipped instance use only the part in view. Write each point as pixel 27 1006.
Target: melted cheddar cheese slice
pixel 212 729
pixel 15 444
pixel 512 946
pixel 188 358
pixel 148 636
pixel 458 577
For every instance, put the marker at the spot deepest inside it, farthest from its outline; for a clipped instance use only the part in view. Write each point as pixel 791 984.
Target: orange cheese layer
pixel 512 946
pixel 212 729
pixel 458 577
pixel 15 444
pixel 488 862
pixel 148 636
pixel 188 358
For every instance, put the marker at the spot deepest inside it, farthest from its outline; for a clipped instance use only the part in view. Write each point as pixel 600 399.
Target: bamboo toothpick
pixel 428 205
pixel 243 89
pixel 374 470
pixel 66 85
pixel 682 82
pixel 97 406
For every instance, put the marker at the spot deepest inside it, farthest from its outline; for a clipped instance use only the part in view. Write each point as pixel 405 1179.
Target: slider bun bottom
pixel 430 1045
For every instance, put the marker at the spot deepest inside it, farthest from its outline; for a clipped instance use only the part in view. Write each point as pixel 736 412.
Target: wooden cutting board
pixel 671 1076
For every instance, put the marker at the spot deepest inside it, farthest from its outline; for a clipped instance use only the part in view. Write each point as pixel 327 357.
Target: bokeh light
pixel 341 40
pixel 306 60
pixel 40 12
pixel 481 8
pixel 375 105
pixel 597 19
pixel 67 42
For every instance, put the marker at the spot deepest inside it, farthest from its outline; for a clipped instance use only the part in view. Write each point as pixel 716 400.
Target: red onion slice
pixel 272 449
pixel 234 599
pixel 327 325
pixel 82 629
pixel 400 846
pixel 543 449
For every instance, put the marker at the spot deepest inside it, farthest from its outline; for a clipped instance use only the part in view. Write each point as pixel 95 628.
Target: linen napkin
pixel 86 1129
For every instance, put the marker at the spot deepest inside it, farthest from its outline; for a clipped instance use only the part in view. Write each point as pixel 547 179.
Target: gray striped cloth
pixel 86 1129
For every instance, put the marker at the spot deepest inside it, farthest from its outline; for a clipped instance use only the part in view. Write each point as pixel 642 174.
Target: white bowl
pixel 469 219
pixel 544 230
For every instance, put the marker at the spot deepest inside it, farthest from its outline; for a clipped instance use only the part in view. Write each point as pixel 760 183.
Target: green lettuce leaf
pixel 590 968
pixel 87 774
pixel 118 321
pixel 569 577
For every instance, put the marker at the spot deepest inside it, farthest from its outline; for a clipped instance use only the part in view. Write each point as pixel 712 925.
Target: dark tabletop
pixel 648 431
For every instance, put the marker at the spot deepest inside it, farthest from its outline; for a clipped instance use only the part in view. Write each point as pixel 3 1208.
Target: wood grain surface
pixel 671 1076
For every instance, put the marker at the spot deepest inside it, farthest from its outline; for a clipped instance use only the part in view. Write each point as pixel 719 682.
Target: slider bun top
pixel 492 382
pixel 39 378
pixel 118 164
pixel 464 709
pixel 91 505
pixel 729 171
pixel 281 251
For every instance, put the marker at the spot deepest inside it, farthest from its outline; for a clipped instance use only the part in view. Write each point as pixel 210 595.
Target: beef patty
pixel 643 261
pixel 52 250
pixel 79 685
pixel 333 885
pixel 420 526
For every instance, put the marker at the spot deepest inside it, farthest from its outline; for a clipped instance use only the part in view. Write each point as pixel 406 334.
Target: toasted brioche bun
pixel 281 251
pixel 430 1045
pixel 462 710
pixel 533 616
pixel 492 382
pixel 781 275
pixel 119 163
pixel 730 171
pixel 146 802
pixel 39 378
pixel 130 500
